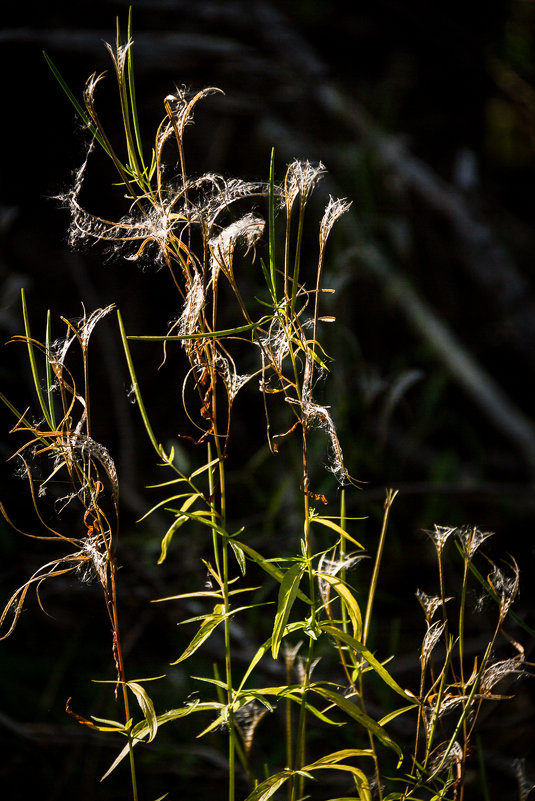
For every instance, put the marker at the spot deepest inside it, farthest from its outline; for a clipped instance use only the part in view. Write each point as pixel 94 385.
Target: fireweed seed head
pixel 332 567
pixel 505 587
pixel 471 538
pixel 500 670
pixel 440 535
pixel 249 229
pixel 431 638
pixel 445 756
pixel 333 211
pixel 430 603
pixel 301 178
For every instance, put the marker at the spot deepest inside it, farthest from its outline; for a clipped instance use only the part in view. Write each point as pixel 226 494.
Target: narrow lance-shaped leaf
pixel 140 731
pixel 269 786
pixel 207 626
pixel 78 108
pixel 366 654
pixel 146 706
pixel 348 599
pixel 354 712
pixel 325 521
pixel 287 595
pixel 269 567
pixel 180 520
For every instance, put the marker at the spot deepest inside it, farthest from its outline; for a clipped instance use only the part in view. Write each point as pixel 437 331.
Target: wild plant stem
pixel 122 674
pixel 226 595
pixel 300 748
pixel 389 500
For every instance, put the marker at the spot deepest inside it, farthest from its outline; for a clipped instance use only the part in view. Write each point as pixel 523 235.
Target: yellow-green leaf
pixel 206 628
pixel 287 595
pixel 180 520
pixel 146 706
pixel 353 711
pixel 348 599
pixel 325 521
pixel 364 652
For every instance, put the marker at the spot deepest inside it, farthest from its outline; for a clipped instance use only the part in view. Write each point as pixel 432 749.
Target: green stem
pixel 300 748
pixel 389 500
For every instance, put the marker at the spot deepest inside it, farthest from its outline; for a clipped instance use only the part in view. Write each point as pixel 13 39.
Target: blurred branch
pixel 481 254
pixel 482 388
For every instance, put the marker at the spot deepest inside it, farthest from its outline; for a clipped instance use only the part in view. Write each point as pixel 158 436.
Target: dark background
pixel 424 116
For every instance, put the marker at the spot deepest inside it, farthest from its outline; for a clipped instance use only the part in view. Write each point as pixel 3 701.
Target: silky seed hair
pixel 431 638
pixel 471 538
pixel 429 603
pixel 440 535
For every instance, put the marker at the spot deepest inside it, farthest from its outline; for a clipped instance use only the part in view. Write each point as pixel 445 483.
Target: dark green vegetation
pixel 241 541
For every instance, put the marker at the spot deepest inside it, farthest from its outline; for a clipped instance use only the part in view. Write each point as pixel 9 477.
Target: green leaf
pixel 207 626
pixel 181 519
pixel 353 711
pixel 336 756
pixel 78 108
pixel 274 571
pixel 33 364
pixel 199 594
pixel 287 595
pixel 325 521
pixel 332 762
pixel 348 599
pixel 240 556
pixel 228 332
pixel 272 285
pixel 401 711
pixel 142 729
pixel 269 786
pixel 147 707
pixel 264 648
pixel 366 654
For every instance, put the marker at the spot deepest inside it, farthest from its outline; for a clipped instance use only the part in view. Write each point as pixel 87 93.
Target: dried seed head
pixel 249 228
pixel 301 178
pixel 333 211
pixel 429 603
pixel 300 668
pixel 188 321
pixel 445 756
pixel 247 718
pixel 319 417
pixel 232 380
pixel 440 535
pixel 471 538
pixel 525 786
pixel 180 105
pixel 118 54
pixel 331 567
pixel 505 587
pixel 499 670
pixel 432 636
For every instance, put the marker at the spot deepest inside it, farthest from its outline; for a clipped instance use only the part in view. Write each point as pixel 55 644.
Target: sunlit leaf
pixel 207 626
pixel 353 711
pixel 325 521
pixel 287 595
pixel 270 568
pixel 366 654
pixel 147 707
pixel 181 519
pixel 348 599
